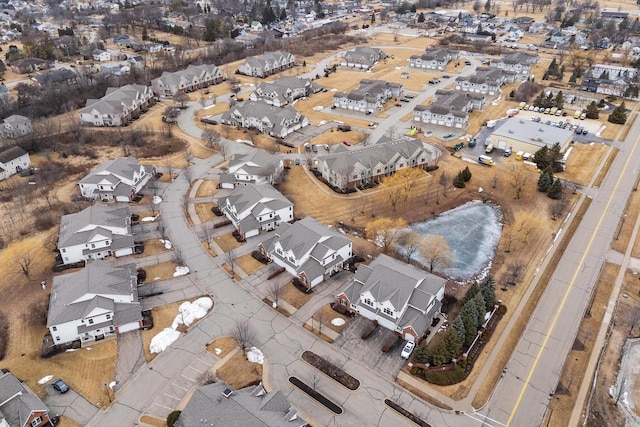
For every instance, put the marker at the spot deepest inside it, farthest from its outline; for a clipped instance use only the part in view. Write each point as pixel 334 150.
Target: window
pixel 388 311
pixel 93 245
pixel 57 338
pixel 368 302
pixel 343 301
pixel 108 316
pixel 36 421
pixel 54 328
pixel 64 250
pixel 90 321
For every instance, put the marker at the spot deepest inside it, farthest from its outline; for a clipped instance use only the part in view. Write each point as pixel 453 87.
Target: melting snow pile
pixel 149 218
pixel 191 311
pixel 166 243
pixel 218 351
pixel 157 200
pixel 181 271
pixel 337 321
pixel 112 384
pixel 45 380
pixel 163 340
pixel 254 355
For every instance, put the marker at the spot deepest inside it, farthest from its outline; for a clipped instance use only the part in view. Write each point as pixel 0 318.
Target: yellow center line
pixel 571 283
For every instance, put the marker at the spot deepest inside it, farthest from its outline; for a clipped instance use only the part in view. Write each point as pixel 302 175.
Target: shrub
pixel 43 222
pixel 452 376
pixel 4 335
pixel 172 418
pixel 502 310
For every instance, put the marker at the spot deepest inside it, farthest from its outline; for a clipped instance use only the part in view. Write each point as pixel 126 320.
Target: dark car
pixel 60 386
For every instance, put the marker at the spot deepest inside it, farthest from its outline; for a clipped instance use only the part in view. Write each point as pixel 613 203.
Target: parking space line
pixel 172 397
pixel 190 379
pixel 162 406
pixel 179 386
pixel 197 370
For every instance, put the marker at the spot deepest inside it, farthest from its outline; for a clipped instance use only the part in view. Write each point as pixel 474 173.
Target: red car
pixel 346 143
pixel 398 104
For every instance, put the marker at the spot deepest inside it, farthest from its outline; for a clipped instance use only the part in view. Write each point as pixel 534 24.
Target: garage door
pixel 124 251
pixel 502 144
pixel 128 327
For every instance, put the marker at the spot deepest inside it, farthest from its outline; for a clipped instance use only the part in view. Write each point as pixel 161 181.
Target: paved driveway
pixel 70 404
pixel 369 351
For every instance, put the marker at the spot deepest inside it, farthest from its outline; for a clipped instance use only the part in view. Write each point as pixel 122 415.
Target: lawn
pixel 293 296
pixel 153 247
pixel 207 188
pixel 238 372
pixel 227 242
pixel 162 318
pixel 248 264
pixel 203 210
pixel 161 271
pixel 326 314
pixel 226 344
pixel 582 154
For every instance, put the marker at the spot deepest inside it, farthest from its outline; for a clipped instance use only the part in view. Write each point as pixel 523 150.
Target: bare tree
pixel 391 132
pixel 181 99
pixel 243 335
pixel 222 148
pixel 211 137
pixel 207 233
pixel 23 263
pixel 225 130
pixel 314 379
pixel 495 180
pixel 557 208
pixel 230 258
pixel 435 250
pixel 384 232
pixel 519 179
pixel 514 272
pixel 275 290
pixel 169 168
pixel 188 174
pixel 188 155
pixel 444 182
pixel 410 242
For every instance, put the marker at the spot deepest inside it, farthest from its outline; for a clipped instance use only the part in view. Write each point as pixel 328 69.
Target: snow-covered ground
pixel 181 271
pixel 149 218
pixel 167 243
pixel 472 232
pixel 255 356
pixel 188 313
pixel 45 380
pixel 157 200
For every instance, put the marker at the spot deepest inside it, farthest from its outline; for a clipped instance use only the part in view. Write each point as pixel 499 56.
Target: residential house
pixel 192 78
pixel 120 180
pixel 96 232
pixel 97 302
pixel 153 47
pixel 347 169
pixel 137 61
pixel 284 91
pixel 249 40
pixel 524 22
pixel 608 79
pixel 486 81
pixel 118 106
pixel 370 96
pixel 397 295
pixel 63 76
pixel 29 65
pixel 256 167
pixel 450 109
pixel 12 161
pixel 270 120
pixel 19 405
pixel 519 62
pixel 15 126
pixel 308 250
pixel 362 57
pixel 434 59
pixel 612 72
pixel 267 64
pixel 255 208
pixel 256 27
pixel 218 405
pixel 100 55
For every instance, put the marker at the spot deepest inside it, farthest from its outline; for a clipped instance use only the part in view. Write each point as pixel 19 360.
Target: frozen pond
pixel 472 232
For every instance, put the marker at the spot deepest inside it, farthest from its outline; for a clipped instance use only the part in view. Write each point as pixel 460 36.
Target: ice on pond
pixel 472 232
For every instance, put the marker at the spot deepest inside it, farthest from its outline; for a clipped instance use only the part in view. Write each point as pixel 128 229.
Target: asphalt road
pixel 522 395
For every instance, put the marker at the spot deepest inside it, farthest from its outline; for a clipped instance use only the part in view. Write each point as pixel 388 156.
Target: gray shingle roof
pixel 17 401
pixel 79 227
pixel 11 154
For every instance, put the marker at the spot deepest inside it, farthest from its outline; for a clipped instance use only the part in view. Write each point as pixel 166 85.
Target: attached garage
pixel 123 252
pixel 133 326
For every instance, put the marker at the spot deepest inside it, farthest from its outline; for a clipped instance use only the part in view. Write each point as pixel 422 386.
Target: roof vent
pixel 227 392
pixel 510 130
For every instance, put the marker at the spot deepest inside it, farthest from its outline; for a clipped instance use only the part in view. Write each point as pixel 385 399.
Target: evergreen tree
pixel 539 101
pixel 540 157
pixel 487 6
pixel 457 326
pixel 555 191
pixel 488 290
pixel 373 18
pixel 549 101
pixel 559 100
pixel 619 115
pixel 458 181
pixel 573 77
pixel 545 180
pixel 470 329
pixel 604 75
pixel 592 111
pixel 413 8
pixel 145 35
pixel 478 301
pixel 466 174
pixel 422 353
pixel 451 345
pixel 471 293
pixel 470 309
pixel 421 17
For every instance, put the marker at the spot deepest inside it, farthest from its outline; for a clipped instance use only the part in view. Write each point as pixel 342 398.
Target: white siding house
pixel 120 180
pixel 12 161
pixel 257 167
pixel 267 64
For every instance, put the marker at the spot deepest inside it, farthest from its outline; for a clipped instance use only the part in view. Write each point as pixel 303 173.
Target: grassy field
pixel 161 271
pixel 293 296
pixel 248 264
pixel 207 188
pixel 238 372
pixel 203 210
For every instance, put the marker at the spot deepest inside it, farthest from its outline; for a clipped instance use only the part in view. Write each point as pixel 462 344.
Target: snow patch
pixel 156 278
pixel 218 351
pixel 255 356
pixel 163 340
pixel 112 384
pixel 149 218
pixel 69 350
pixel 45 380
pixel 189 312
pixel 337 321
pixel 181 271
pixel 156 200
pixel 167 243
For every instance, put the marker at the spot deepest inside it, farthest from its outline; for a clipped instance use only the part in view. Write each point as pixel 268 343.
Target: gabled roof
pixel 11 154
pixel 113 171
pixel 17 401
pixel 257 162
pixel 247 197
pixel 94 217
pixel 75 295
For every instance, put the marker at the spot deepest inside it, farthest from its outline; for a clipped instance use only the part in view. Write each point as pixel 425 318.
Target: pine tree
pixel 559 100
pixel 592 111
pixel 549 101
pixel 471 293
pixel 466 174
pixel 421 17
pixel 457 326
pixel 451 345
pixel 422 353
pixel 470 330
pixel 488 290
pixel 478 301
pixel 555 191
pixel 546 180
pixel 458 181
pixel 619 115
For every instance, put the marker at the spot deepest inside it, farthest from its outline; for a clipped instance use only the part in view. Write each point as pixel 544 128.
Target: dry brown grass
pixel 67 422
pixel 226 344
pixel 203 210
pixel 153 247
pixel 238 372
pixel 605 169
pixel 152 421
pixel 248 264
pixel 227 242
pixel 562 403
pixel 334 137
pixel 326 314
pixel 623 235
pixel 207 188
pixel 162 318
pixel 611 130
pixel 582 154
pixel 293 296
pixel 162 271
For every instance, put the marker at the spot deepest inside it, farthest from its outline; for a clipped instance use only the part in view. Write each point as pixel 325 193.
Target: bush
pixel 44 222
pixel 452 376
pixel 502 310
pixel 172 418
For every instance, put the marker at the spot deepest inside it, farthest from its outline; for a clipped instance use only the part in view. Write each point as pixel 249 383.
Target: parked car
pixel 398 104
pixel 584 131
pixel 467 62
pixel 347 143
pixel 60 386
pixel 405 99
pixel 408 349
pixel 507 152
pixel 409 95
